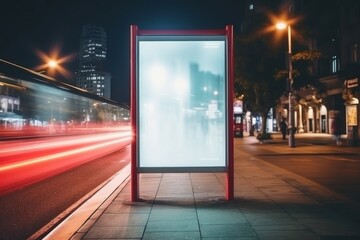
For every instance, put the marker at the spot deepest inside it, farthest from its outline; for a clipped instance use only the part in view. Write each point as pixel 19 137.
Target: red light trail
pixel 25 162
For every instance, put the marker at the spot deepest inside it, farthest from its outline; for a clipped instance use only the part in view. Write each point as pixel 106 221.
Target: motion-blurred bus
pixel 33 104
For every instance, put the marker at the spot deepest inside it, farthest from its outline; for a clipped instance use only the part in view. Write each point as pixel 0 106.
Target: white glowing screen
pixel 181 103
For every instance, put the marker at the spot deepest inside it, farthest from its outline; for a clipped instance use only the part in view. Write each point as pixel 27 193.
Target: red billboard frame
pixel 228 34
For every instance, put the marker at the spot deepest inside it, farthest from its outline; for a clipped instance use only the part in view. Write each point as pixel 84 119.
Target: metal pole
pixel 291 112
pixel 133 112
pixel 230 171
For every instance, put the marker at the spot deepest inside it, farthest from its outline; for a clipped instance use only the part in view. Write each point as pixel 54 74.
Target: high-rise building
pixel 92 75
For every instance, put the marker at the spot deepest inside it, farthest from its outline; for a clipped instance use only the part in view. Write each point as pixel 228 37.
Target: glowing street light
pixel 52 64
pixel 281 26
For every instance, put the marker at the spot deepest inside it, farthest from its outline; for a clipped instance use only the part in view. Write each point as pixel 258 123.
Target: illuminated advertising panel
pixel 238 106
pixel 351 115
pixel 181 103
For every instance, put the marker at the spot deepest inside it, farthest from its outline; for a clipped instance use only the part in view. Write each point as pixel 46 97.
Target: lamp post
pixel 291 128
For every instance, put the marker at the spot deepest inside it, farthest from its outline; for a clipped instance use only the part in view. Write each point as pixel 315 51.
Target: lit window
pixel 335 66
pixel 354 53
pixel 251 6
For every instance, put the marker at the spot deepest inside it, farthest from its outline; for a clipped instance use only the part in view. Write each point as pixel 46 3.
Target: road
pixel 28 208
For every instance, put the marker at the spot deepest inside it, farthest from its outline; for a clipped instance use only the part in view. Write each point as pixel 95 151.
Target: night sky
pixel 28 26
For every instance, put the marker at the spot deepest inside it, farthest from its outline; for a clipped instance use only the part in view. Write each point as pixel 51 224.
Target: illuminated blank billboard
pixel 181 102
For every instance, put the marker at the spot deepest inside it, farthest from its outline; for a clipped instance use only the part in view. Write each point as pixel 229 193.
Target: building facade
pixel 91 74
pixel 335 34
pixel 331 85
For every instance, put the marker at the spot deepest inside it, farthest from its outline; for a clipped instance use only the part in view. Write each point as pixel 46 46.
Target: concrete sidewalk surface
pixel 270 203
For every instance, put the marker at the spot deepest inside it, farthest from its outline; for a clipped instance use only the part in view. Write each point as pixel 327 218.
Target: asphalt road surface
pixel 26 210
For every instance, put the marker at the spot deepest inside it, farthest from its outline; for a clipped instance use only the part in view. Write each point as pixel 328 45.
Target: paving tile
pixel 226 230
pixel 201 197
pixel 147 196
pixel 207 179
pixel 169 213
pixel 270 218
pixel 114 232
pixel 292 198
pixel 150 175
pixel 296 234
pixel 122 220
pixel 175 192
pixel 211 188
pixel 279 189
pixel 220 216
pixel 333 226
pixel 300 211
pixel 171 235
pixel 176 181
pixel 268 182
pixel 279 227
pixel 230 238
pixel 250 194
pixel 259 205
pixel 213 202
pixel 170 199
pixel 172 226
pixel 125 207
pixel 151 189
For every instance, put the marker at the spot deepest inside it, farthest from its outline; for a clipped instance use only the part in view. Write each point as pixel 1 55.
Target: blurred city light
pixel 281 25
pixel 53 63
pixel 27 161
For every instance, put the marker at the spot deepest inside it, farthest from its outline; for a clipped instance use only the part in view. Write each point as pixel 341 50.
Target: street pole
pixel 291 111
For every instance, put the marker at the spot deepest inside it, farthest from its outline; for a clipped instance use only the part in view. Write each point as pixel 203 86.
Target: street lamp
pixel 52 63
pixel 282 25
pixel 49 66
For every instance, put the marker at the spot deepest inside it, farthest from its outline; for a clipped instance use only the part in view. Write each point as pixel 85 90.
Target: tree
pixel 256 63
pixel 260 60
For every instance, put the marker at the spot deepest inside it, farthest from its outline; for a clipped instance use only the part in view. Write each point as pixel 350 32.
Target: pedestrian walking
pixel 283 128
pixel 335 126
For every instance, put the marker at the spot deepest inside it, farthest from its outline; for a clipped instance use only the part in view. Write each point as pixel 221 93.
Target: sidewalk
pixel 270 203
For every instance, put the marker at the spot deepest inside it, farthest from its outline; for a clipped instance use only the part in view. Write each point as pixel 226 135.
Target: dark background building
pixel 92 75
pixel 328 84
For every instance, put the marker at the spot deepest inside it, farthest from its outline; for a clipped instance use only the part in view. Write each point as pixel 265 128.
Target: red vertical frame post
pixel 133 105
pixel 230 172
